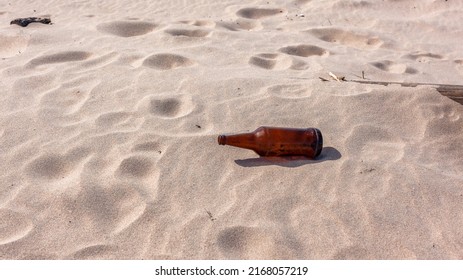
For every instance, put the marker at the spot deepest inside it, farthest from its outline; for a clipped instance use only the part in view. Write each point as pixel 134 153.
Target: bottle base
pixel 319 146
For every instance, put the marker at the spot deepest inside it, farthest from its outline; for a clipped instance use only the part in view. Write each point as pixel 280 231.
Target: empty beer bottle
pixel 278 141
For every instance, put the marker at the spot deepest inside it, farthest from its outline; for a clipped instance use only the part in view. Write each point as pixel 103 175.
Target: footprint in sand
pixel 424 57
pixel 257 13
pixel 395 68
pixel 136 167
pixel 304 50
pixel 14 226
pixel 167 61
pixel 240 242
pixel 50 167
pixel 126 28
pixel 243 242
pixel 195 33
pixel 167 106
pixel 60 57
pixel 270 61
pixel 53 166
pixel 348 38
pixel 170 107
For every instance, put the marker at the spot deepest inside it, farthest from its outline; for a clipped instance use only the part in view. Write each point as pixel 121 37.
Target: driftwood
pixel 26 21
pixel 454 92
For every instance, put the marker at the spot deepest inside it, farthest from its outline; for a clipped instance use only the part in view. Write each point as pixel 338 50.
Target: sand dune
pixel 109 120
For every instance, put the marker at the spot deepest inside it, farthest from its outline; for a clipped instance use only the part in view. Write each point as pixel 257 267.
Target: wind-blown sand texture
pixel 109 121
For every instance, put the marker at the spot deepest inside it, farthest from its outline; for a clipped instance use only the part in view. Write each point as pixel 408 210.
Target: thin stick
pixel 454 92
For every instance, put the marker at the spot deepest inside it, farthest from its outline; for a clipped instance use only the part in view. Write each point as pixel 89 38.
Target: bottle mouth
pixel 221 139
pixel 319 147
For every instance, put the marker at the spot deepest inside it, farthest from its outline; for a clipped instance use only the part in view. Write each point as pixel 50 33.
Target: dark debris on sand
pixel 25 21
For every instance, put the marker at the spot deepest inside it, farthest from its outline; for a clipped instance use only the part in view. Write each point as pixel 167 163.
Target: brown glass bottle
pixel 278 141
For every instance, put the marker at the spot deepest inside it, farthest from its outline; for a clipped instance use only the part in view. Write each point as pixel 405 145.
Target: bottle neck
pixel 242 140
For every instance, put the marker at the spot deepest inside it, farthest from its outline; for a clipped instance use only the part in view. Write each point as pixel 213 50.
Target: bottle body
pixel 278 141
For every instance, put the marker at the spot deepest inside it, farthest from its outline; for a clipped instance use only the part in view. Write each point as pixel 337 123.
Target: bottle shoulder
pixel 261 133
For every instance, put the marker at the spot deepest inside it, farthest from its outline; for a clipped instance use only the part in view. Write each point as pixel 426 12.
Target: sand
pixel 109 120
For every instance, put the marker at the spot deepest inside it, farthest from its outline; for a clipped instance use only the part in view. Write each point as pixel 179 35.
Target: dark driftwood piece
pixel 454 92
pixel 25 21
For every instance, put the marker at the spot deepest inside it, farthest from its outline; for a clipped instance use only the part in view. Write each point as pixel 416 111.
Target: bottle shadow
pixel 328 153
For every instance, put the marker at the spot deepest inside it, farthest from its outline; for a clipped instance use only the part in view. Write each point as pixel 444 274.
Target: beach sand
pixel 109 120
